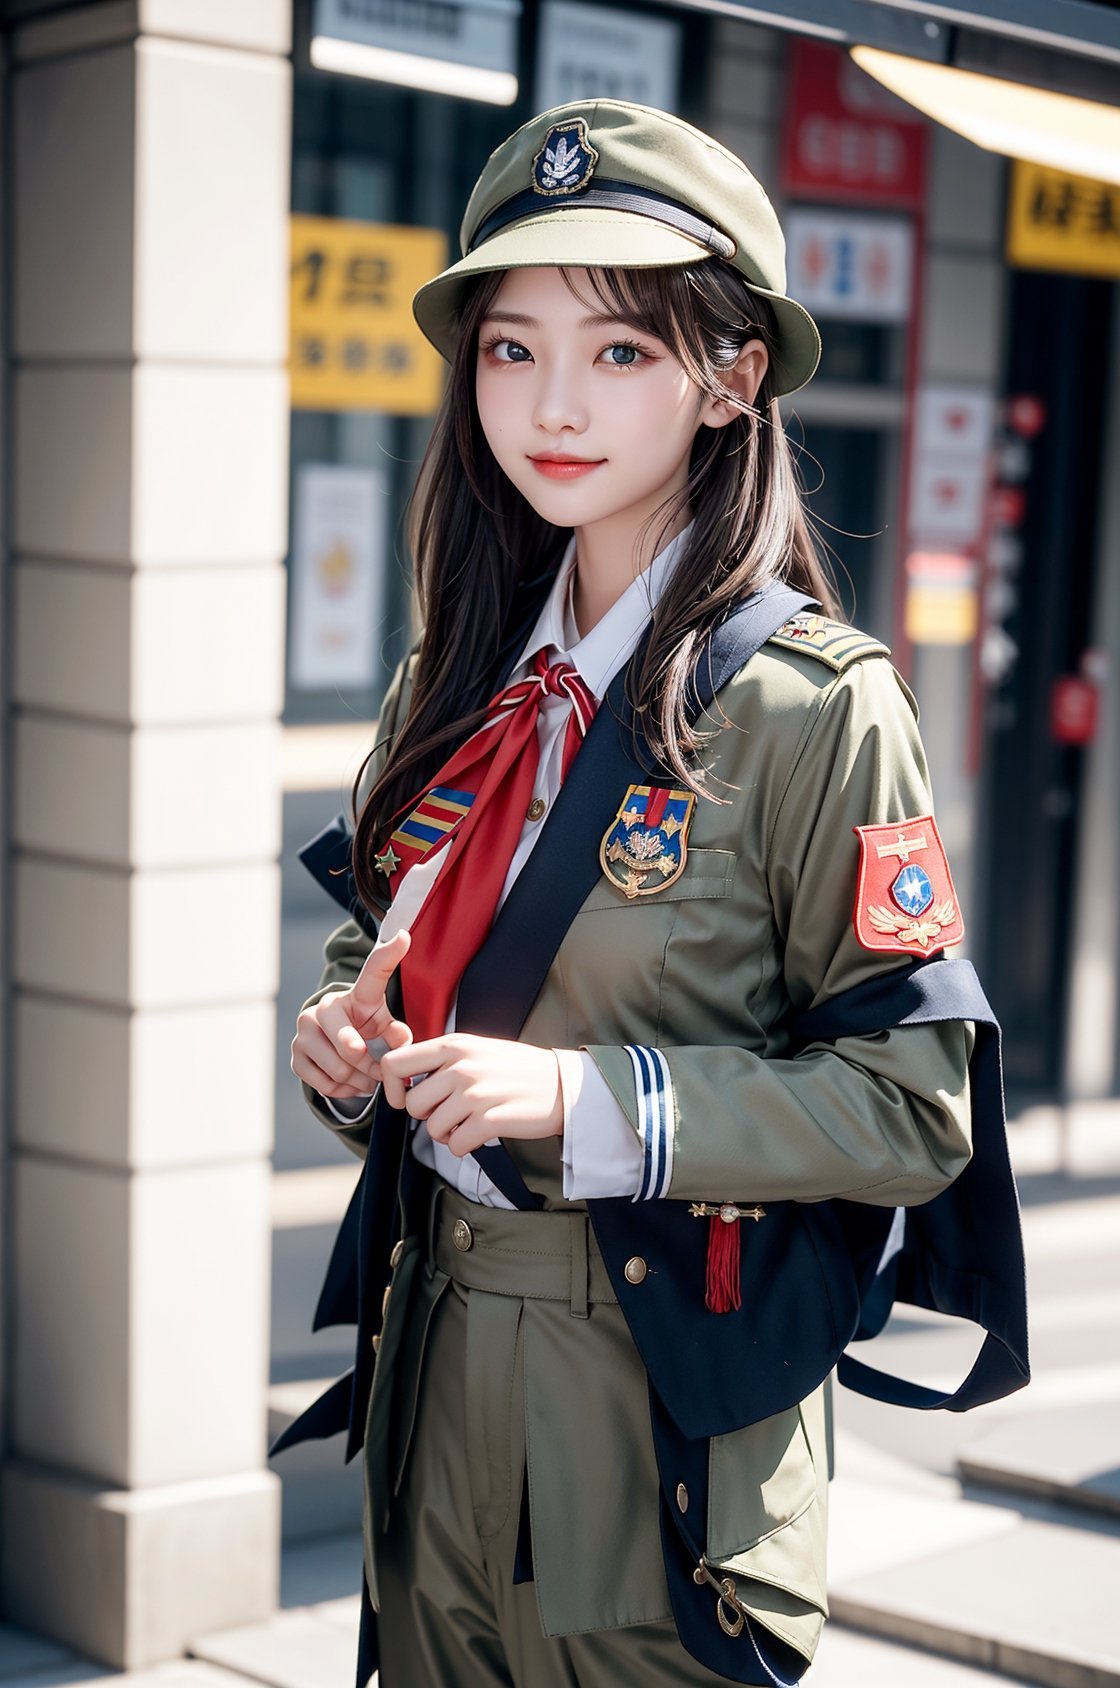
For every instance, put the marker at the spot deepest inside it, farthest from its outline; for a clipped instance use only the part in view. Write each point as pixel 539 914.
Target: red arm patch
pixel 905 901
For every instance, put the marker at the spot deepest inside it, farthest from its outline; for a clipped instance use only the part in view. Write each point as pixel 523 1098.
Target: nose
pixel 559 406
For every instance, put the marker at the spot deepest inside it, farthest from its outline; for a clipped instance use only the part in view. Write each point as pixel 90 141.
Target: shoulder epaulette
pixel 833 642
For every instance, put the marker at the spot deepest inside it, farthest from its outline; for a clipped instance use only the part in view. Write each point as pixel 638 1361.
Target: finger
pixel 448 1121
pixel 424 1057
pixel 421 1099
pixel 333 1017
pixel 368 990
pixel 396 1089
pixel 309 1073
pixel 357 1049
pixel 312 1041
pixel 468 1136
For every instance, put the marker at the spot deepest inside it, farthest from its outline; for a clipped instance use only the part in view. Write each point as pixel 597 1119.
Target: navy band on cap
pixel 609 196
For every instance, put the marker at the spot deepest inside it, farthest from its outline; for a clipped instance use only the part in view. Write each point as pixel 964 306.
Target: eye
pixel 507 351
pixel 623 354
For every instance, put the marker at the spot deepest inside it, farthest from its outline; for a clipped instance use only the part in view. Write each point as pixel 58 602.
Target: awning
pixel 1084 28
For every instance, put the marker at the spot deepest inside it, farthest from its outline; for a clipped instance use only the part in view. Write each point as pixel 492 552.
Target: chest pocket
pixel 706 873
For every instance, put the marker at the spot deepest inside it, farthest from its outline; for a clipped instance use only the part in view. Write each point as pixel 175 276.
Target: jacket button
pixel 682 1497
pixel 395 1257
pixel 635 1269
pixel 536 809
pixel 376 1340
pixel 462 1236
pixel 385 1302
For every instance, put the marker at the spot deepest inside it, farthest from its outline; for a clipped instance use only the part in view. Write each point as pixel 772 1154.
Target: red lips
pixel 560 468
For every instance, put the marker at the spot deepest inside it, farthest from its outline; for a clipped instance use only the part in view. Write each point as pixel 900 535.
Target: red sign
pixel 845 136
pixel 1073 710
pixel 1026 415
pixel 1009 505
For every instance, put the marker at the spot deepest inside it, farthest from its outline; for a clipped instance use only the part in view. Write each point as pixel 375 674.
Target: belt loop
pixel 581 1266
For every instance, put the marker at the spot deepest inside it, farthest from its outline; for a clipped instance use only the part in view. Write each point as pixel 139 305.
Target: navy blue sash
pixel 962 1252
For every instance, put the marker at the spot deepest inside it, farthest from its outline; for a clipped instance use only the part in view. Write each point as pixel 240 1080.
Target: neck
pixel 610 555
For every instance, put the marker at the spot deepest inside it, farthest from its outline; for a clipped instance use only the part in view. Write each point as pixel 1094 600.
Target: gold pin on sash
pixel 727 1211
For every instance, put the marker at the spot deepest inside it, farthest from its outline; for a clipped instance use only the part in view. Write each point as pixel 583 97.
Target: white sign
pixel 947 501
pixel 845 264
pixel 482 33
pixel 954 421
pixel 587 51
pixel 952 446
pixel 338 549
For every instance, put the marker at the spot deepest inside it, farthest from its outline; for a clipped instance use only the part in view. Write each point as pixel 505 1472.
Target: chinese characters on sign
pixel 354 344
pixel 1056 221
pixel 594 51
pixel 845 136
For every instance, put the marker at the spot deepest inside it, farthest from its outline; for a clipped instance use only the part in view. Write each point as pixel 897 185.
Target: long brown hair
pixel 480 549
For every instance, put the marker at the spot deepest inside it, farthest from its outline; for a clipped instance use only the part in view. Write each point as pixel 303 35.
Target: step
pixel 1068 1454
pixel 307 1207
pixel 320 1495
pixel 913 1560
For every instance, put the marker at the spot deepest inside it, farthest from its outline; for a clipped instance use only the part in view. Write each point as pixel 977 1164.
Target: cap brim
pixel 593 238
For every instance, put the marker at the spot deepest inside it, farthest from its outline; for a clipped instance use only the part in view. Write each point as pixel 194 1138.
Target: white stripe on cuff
pixel 653 1085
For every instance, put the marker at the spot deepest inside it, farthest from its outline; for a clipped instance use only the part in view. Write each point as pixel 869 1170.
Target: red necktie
pixel 476 809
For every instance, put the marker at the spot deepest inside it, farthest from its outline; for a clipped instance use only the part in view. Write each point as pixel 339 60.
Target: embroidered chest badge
pixel 905 901
pixel 645 847
pixel 566 160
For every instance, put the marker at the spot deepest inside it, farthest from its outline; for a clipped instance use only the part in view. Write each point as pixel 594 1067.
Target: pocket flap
pixel 706 873
pixel 760 1478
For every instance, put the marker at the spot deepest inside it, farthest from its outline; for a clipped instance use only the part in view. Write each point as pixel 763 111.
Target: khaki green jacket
pixel 758 926
pixel 805 746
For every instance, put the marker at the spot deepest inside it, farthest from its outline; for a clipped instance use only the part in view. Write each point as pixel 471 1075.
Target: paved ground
pixel 1022 1585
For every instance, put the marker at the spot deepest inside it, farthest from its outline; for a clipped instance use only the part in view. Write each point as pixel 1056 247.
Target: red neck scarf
pixel 475 810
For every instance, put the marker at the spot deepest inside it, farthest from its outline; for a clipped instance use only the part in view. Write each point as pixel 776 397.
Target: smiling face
pixel 591 419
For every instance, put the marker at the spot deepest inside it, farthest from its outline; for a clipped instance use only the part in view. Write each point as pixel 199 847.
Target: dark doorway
pixel 1057 352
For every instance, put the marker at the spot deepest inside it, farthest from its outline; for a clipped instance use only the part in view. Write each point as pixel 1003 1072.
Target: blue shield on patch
pixel 912 890
pixel 645 847
pixel 566 160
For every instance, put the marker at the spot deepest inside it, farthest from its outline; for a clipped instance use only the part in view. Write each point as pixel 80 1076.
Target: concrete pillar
pixel 149 450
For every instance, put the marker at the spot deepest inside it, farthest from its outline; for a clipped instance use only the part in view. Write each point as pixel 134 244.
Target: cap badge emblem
pixel 566 160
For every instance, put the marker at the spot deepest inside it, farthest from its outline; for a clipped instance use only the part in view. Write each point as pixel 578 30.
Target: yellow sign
pixel 354 343
pixel 1056 221
pixel 942 601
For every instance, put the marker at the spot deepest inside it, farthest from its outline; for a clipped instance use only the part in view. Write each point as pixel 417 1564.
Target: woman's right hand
pixel 329 1049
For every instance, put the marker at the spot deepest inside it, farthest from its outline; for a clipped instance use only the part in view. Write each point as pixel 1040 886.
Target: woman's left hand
pixel 476 1088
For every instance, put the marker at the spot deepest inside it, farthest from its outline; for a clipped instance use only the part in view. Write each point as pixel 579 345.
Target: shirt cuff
pixel 601 1151
pixel 350 1109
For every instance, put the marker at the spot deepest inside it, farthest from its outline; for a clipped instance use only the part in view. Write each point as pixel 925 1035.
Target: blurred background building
pixel 213 215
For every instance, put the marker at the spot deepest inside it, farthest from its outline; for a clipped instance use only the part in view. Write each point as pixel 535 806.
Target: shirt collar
pixel 599 655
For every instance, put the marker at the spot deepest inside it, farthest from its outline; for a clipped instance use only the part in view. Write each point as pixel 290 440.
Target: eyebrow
pixel 594 321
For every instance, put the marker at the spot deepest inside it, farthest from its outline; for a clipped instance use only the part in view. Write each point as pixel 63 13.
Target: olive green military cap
pixel 605 184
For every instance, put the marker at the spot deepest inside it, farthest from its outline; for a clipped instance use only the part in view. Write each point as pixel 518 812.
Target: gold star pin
pixel 387 862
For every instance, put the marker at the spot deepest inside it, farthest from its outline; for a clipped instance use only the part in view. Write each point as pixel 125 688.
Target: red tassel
pixel 723 1265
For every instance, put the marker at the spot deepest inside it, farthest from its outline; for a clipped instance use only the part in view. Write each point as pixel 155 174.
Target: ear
pixel 744 379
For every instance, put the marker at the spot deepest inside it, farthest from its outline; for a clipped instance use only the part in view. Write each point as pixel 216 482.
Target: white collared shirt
pixel 601 1151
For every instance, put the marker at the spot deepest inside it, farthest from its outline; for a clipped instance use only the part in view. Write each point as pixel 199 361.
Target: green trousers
pixel 512 1357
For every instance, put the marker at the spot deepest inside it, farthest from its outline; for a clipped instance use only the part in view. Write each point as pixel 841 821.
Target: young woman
pixel 601 1163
